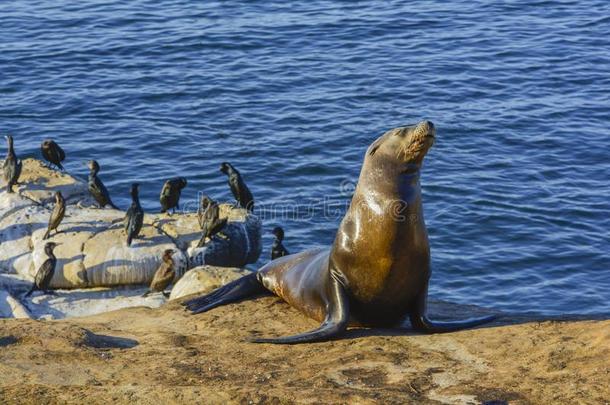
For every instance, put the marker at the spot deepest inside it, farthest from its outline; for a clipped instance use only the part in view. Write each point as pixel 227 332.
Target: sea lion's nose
pixel 427 125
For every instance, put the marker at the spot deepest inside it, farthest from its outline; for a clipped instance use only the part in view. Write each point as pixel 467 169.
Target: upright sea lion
pixel 377 271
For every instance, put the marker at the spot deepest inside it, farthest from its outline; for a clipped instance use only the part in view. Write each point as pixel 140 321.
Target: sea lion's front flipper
pixel 421 323
pixel 334 324
pixel 245 287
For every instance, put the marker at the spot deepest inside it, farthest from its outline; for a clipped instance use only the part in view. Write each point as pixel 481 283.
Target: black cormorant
pixel 11 166
pixel 278 249
pixel 53 153
pixel 135 216
pixel 170 194
pixel 209 219
pixel 57 215
pixel 97 188
pixel 46 271
pixel 240 191
pixel 164 275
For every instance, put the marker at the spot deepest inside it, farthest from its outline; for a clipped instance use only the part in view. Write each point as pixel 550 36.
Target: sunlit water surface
pixel 516 189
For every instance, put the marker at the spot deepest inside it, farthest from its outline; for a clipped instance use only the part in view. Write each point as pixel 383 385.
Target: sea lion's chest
pixel 382 248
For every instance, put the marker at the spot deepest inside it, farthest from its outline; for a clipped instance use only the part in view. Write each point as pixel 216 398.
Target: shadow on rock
pixel 8 340
pixel 108 342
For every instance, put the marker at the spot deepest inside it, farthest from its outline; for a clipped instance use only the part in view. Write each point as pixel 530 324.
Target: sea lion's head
pixel 404 146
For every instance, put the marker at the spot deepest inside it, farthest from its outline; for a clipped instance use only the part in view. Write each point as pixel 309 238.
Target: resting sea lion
pixel 377 271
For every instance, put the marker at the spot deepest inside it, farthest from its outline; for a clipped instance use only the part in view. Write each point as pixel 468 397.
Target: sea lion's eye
pixel 373 150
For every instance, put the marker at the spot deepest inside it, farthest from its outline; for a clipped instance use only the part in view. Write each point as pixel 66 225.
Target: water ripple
pixel 516 189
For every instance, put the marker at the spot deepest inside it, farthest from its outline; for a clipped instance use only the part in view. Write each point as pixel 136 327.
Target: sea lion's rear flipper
pixel 245 287
pixel 421 323
pixel 334 324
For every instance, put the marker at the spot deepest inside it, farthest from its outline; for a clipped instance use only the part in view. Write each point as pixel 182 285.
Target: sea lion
pixel 11 166
pixel 53 153
pixel 57 215
pixel 238 186
pixel 277 249
pixel 45 273
pixel 377 271
pixel 134 218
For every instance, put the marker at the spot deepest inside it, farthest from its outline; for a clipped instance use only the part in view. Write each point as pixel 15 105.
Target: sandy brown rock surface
pixel 165 355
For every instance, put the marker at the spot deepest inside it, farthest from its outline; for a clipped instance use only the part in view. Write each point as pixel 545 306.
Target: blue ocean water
pixel 516 189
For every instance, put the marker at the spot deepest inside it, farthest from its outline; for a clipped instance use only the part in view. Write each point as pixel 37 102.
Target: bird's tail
pixel 46 235
pixel 60 167
pixel 129 239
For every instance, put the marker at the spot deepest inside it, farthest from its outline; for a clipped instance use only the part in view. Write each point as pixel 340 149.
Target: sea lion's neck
pixel 390 184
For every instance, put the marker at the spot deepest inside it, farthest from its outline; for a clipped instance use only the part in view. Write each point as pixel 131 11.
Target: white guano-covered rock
pixel 11 307
pixel 92 250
